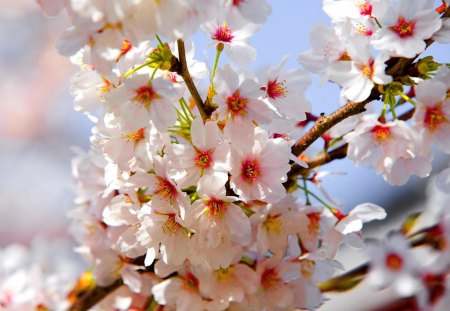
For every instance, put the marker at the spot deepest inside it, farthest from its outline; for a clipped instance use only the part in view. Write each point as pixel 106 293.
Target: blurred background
pixel 38 126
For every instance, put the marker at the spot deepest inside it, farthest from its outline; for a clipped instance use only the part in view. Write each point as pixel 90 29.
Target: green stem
pixel 394 114
pixel 160 42
pixel 131 71
pixel 378 23
pixel 154 71
pixel 317 198
pixel 308 202
pixel 407 98
pixel 219 50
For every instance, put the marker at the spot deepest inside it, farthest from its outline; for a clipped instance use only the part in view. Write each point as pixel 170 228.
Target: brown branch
pixel 324 122
pixel 183 71
pixel 94 295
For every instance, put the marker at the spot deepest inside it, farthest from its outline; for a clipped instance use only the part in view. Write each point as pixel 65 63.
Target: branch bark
pixel 183 71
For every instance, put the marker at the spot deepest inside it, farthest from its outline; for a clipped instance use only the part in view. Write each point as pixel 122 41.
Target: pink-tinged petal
pixel 241 52
pixel 167 291
pixel 238 224
pixel 349 224
pixel 198 134
pixel 163 114
pixel 118 215
pixel 72 40
pixel 132 278
pixel 368 212
pixel 150 256
pixel 212 185
pixel 442 181
pixel 430 92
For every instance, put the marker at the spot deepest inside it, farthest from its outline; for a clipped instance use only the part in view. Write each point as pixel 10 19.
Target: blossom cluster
pixel 182 195
pixel 354 54
pixel 37 278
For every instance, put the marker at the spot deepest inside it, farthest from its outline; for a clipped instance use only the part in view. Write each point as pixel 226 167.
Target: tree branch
pixel 92 296
pixel 183 71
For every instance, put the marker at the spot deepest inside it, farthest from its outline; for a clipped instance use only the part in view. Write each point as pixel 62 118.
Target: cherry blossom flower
pixel 208 154
pixel 154 97
pixel 230 284
pixel 391 148
pixel 219 224
pixel 358 76
pixel 285 91
pixel 258 171
pixel 407 26
pixel 432 114
pixel 394 264
pixel 255 11
pixel 234 34
pixel 274 222
pixel 327 49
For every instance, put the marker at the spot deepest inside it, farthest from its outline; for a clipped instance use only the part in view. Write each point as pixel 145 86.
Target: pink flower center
pixel 171 226
pixel 126 47
pixel 145 95
pixel 270 279
pixel 238 2
pixel 314 222
pixel 223 33
pixel 190 282
pixel 250 170
pixel 134 136
pixel 275 89
pixel 216 208
pixel 404 28
pixel 236 104
pixel 203 159
pixel 274 223
pixel 362 29
pixel 365 8
pixel 434 117
pixel 394 262
pixel 367 69
pixel 381 133
pixel 165 189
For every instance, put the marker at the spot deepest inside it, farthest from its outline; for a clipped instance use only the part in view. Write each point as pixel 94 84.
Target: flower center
pixel 364 30
pixel 125 48
pixel 270 279
pixel 404 28
pixel 223 33
pixel 165 189
pixel 145 95
pixel 394 262
pixel 134 136
pixel 381 133
pixel 215 208
pixel 171 227
pixel 367 70
pixel 203 159
pixel 236 104
pixel 276 89
pixel 365 8
pixel 274 223
pixel 314 222
pixel 250 170
pixel 190 281
pixel 237 2
pixel 224 274
pixel 434 117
